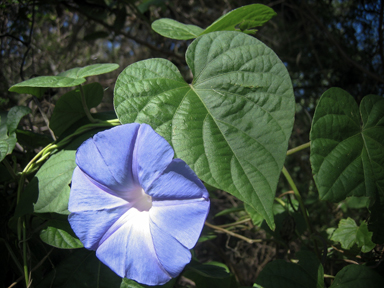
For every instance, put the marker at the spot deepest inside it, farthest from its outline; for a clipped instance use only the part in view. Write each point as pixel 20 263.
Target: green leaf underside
pixel 69 108
pixel 46 82
pixel 347 157
pixel 8 125
pixel 231 125
pixel 57 234
pixel 280 274
pixel 90 70
pixel 246 17
pixel 175 30
pixel 54 178
pixel 357 276
pixel 348 233
pixel 14 116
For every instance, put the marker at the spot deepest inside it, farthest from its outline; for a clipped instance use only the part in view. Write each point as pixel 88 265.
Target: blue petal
pixel 183 219
pixel 87 195
pixel 107 157
pixel 178 181
pixel 152 155
pixel 91 226
pixel 129 251
pixel 172 255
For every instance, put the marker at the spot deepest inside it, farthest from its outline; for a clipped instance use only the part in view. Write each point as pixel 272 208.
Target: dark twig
pixel 127 35
pixel 28 44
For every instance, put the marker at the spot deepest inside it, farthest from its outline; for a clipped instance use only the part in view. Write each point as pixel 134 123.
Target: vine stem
pixel 298 197
pixel 42 155
pixel 217 228
pixel 301 204
pixel 85 106
pixel 298 148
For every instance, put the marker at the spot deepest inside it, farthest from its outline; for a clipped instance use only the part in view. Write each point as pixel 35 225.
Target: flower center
pixel 144 203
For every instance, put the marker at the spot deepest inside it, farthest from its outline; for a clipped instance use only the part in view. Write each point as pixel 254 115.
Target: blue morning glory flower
pixel 139 208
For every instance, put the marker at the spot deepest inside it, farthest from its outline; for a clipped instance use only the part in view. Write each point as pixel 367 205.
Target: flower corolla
pixel 139 208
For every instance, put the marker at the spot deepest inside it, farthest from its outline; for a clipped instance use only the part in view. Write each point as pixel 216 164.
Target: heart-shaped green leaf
pixel 231 124
pixel 54 178
pixel 347 150
pixel 90 70
pixel 69 108
pixel 175 30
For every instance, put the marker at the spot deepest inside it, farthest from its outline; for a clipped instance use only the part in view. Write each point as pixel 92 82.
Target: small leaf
pixel 54 178
pixel 8 125
pixel 90 70
pixel 357 276
pixel 128 283
pixel 348 234
pixel 175 30
pixel 231 125
pixel 59 234
pixel 69 108
pixel 33 86
pixel 14 116
pixel 347 152
pixel 246 17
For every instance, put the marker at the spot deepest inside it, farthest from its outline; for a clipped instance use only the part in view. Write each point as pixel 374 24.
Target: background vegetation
pixel 322 43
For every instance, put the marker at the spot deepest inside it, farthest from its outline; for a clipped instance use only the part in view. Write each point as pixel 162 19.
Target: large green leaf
pixel 231 124
pixel 242 18
pixel 348 233
pixel 90 70
pixel 357 276
pixel 54 178
pixel 280 274
pixel 347 150
pixel 69 108
pixel 175 30
pixel 36 86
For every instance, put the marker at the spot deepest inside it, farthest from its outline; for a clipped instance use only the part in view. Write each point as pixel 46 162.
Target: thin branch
pixel 128 36
pixel 28 44
pixel 312 16
pixel 14 37
pixel 219 229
